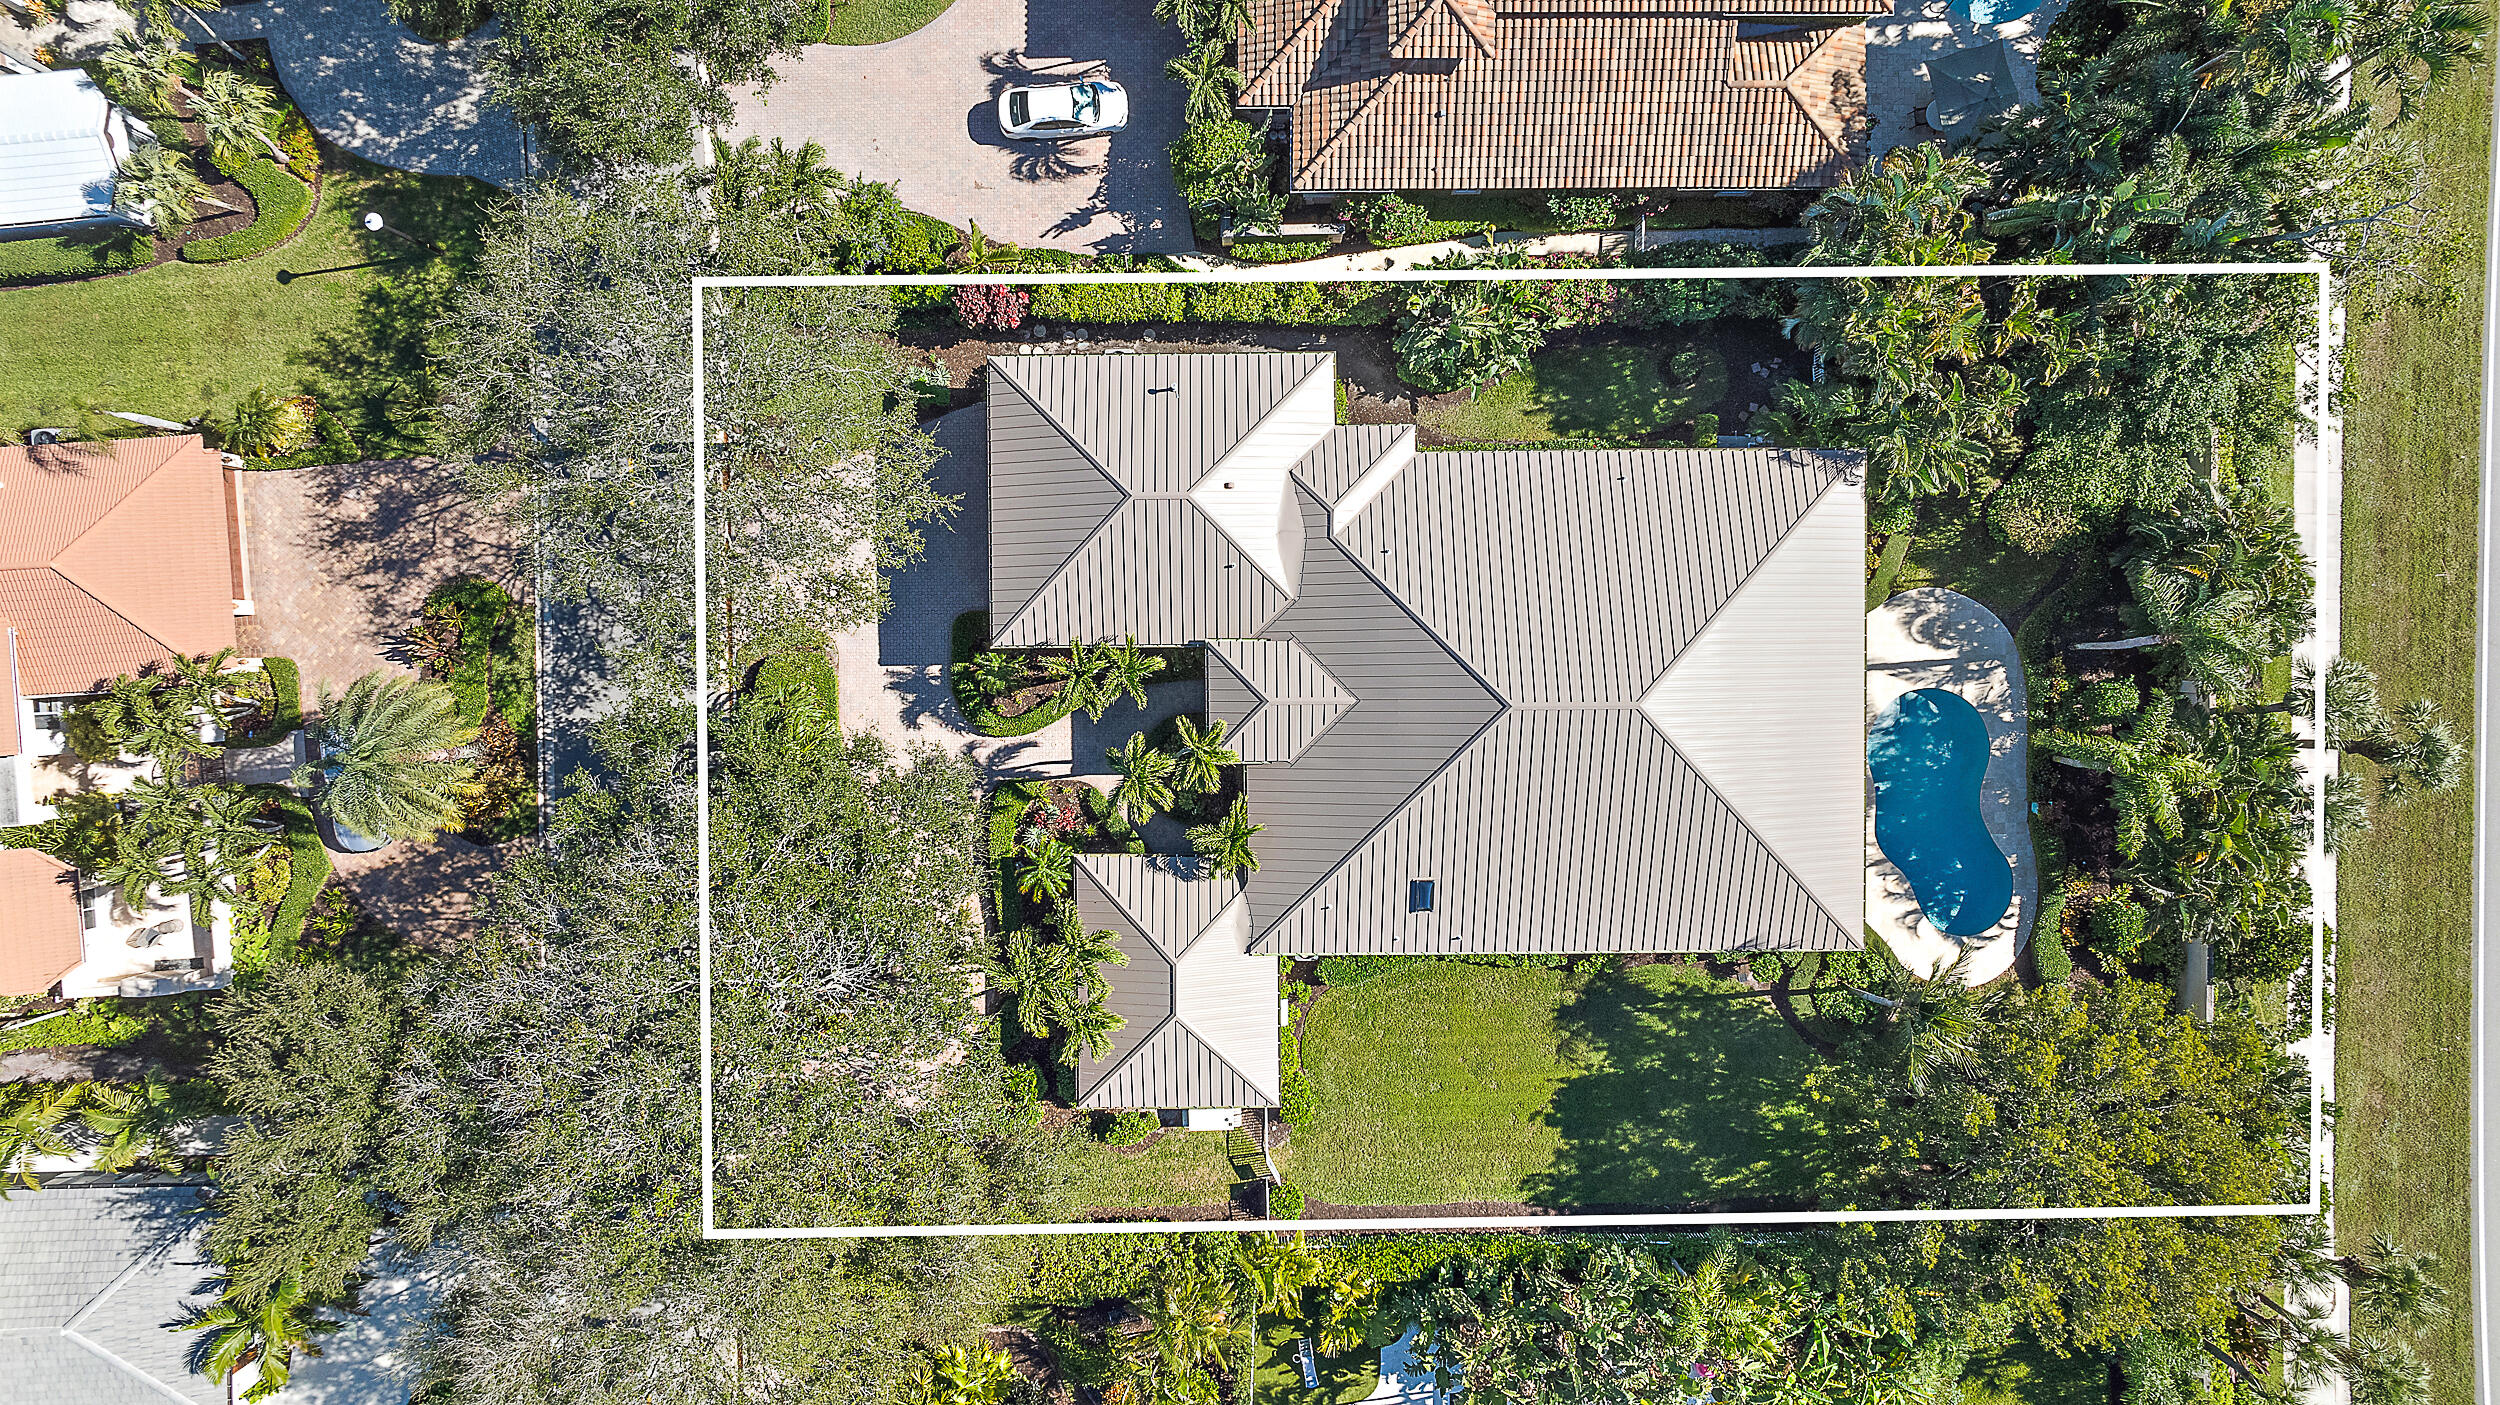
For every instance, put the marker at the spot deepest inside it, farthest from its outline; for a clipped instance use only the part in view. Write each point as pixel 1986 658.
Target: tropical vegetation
pixel 387 757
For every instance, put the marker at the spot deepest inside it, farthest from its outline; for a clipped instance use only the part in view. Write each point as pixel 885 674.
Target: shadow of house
pixel 1688 1097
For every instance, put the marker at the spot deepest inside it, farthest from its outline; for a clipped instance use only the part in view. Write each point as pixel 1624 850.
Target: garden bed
pixel 478 640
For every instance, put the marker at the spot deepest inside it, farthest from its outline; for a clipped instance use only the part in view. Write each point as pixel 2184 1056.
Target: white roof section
pixel 61 144
pixel 1201 1009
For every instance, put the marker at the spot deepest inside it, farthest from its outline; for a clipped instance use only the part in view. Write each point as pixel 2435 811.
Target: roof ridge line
pixel 1752 571
pixel 1379 84
pixel 998 627
pixel 1326 7
pixel 1327 362
pixel 108 607
pixel 133 1372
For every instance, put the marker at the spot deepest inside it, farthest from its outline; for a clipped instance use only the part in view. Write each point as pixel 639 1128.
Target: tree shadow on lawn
pixel 1691 1093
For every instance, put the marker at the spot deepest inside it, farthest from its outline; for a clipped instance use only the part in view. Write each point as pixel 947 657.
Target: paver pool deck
pixel 1937 638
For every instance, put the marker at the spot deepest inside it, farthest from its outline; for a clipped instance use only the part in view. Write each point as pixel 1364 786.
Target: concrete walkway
pixel 1937 638
pixel 371 85
pixel 920 113
pixel 1611 244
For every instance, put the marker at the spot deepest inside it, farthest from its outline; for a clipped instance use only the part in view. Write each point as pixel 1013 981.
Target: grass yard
pixel 102 1024
pixel 181 340
pixel 876 21
pixel 1278 1377
pixel 1615 393
pixel 2403 1042
pixel 1175 1169
pixel 1441 1082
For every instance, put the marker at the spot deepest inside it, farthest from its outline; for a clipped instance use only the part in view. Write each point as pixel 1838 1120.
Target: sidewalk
pixel 1614 244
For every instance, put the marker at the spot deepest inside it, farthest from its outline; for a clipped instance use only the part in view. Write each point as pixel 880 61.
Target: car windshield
pixel 1019 109
pixel 1087 99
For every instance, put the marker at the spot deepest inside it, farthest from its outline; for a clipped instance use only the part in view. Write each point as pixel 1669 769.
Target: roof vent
pixel 1419 895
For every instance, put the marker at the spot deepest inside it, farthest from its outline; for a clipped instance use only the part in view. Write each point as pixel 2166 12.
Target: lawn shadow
pixel 1690 1094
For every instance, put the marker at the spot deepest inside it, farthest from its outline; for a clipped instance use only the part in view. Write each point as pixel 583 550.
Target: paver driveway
pixel 919 112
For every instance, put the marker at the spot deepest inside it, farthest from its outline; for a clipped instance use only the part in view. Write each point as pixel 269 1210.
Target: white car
pixel 1061 110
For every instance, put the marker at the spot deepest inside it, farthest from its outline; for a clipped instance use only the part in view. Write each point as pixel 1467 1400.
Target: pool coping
pixel 1932 637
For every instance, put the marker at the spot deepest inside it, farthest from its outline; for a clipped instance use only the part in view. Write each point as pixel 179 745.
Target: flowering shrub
pixel 991 307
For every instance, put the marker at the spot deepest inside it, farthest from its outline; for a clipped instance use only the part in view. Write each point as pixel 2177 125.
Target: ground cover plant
pixel 475 638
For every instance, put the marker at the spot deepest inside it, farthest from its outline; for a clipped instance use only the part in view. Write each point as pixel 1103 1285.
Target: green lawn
pixel 1177 1169
pixel 2403 1044
pixel 103 1024
pixel 1617 393
pixel 876 21
pixel 1278 1377
pixel 180 340
pixel 1441 1081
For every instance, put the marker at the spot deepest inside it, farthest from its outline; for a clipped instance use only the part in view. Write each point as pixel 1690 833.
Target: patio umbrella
pixel 1971 86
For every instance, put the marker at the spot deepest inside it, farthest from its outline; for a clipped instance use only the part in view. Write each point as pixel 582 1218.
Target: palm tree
pixel 1225 844
pixel 269 1334
pixel 146 715
pixel 1145 787
pixel 33 1119
pixel 2383 1371
pixel 2415 45
pixel 2421 757
pixel 383 758
pixel 236 114
pixel 1205 19
pixel 135 867
pixel 127 1118
pixel 1346 1315
pixel 2148 774
pixel 1278 1270
pixel 957 1376
pixel 977 252
pixel 1057 986
pixel 2397 1286
pixel 1209 80
pixel 1203 756
pixel 158 183
pixel 1078 670
pixel 147 74
pixel 1049 866
pixel 2220 633
pixel 1123 669
pixel 995 675
pixel 1188 1321
pixel 2347 810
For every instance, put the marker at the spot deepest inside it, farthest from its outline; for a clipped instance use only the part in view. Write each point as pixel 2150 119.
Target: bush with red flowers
pixel 991 307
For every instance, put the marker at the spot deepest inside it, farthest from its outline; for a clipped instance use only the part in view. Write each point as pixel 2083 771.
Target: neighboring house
pixel 1200 1012
pixel 1721 96
pixel 1558 701
pixel 61 145
pixel 93 1283
pixel 113 558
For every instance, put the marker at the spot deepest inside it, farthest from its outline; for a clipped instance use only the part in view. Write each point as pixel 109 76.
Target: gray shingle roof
pixel 1606 701
pixel 90 1279
pixel 1200 1010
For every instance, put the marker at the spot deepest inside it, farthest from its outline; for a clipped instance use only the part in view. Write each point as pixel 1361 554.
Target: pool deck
pixel 1936 638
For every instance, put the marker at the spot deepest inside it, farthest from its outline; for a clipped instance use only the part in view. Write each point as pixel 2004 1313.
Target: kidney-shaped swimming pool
pixel 1928 754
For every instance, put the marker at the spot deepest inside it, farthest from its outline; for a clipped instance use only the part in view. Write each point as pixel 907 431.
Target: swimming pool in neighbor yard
pixel 1928 753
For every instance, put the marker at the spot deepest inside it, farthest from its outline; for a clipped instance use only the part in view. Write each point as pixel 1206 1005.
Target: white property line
pixel 2320 646
pixel 2485 1256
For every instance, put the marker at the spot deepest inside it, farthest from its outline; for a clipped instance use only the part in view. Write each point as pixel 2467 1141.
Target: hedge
pixel 82 255
pixel 280 205
pixel 1296 1098
pixel 1352 970
pixel 1110 302
pixel 308 867
pixel 286 709
pixel 1277 250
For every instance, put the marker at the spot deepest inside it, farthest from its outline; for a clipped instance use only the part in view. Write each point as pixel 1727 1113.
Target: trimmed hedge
pixel 1277 250
pixel 1294 304
pixel 308 867
pixel 1127 1127
pixel 280 205
pixel 1295 1099
pixel 286 709
pixel 81 255
pixel 1352 970
pixel 1110 302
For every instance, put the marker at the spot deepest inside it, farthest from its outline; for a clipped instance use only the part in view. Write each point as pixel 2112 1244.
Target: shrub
pixel 1277 250
pixel 1222 168
pixel 1352 970
pixel 2049 956
pixel 82 255
pixel 1295 1097
pixel 1111 302
pixel 262 425
pixel 1023 1083
pixel 2117 927
pixel 1127 1127
pixel 2110 700
pixel 284 705
pixel 917 243
pixel 991 307
pixel 303 149
pixel 1598 211
pixel 1285 1201
pixel 1705 430
pixel 1388 220
pixel 280 204
pixel 917 297
pixel 1458 336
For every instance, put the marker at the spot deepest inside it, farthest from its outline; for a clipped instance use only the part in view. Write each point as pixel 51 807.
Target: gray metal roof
pixel 90 1280
pixel 1157 423
pixel 1275 698
pixel 1045 497
pixel 1200 1009
pixel 1607 701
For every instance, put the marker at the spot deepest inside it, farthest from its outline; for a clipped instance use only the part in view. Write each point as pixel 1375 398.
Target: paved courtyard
pixel 919 112
pixel 1899 46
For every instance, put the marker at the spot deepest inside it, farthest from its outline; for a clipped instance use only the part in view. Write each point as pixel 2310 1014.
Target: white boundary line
pixel 2484 1257
pixel 2319 646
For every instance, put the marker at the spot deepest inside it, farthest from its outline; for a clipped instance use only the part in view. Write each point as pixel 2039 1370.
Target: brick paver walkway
pixel 919 112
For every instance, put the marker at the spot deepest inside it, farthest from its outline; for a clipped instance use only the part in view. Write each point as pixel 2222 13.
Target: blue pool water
pixel 1928 753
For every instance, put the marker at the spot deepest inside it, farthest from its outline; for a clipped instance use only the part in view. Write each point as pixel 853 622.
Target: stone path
pixel 1937 638
pixel 427 893
pixel 371 85
pixel 919 112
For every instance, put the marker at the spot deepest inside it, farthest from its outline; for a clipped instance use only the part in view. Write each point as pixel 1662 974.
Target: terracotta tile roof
pixel 1562 94
pixel 113 557
pixel 39 928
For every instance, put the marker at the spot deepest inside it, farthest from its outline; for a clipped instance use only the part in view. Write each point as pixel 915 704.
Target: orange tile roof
pixel 112 557
pixel 39 928
pixel 1556 95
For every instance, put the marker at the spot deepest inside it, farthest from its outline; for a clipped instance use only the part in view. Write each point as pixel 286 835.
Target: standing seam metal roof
pixel 1201 1026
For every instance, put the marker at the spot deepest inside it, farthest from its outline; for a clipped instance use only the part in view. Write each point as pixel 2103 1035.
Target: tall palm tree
pixel 1189 1321
pixel 2383 1370
pixel 2394 1284
pixel 127 1118
pixel 236 114
pixel 34 1122
pixel 158 184
pixel 384 763
pixel 1209 81
pixel 2220 633
pixel 136 865
pixel 1225 843
pixel 2148 772
pixel 2347 810
pixel 146 73
pixel 269 1334
pixel 1346 1314
pixel 1145 787
pixel 1049 866
pixel 1124 670
pixel 1278 1270
pixel 2421 757
pixel 151 717
pixel 1203 755
pixel 1079 669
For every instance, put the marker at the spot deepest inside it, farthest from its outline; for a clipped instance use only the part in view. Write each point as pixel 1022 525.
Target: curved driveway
pixel 372 86
pixel 917 112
